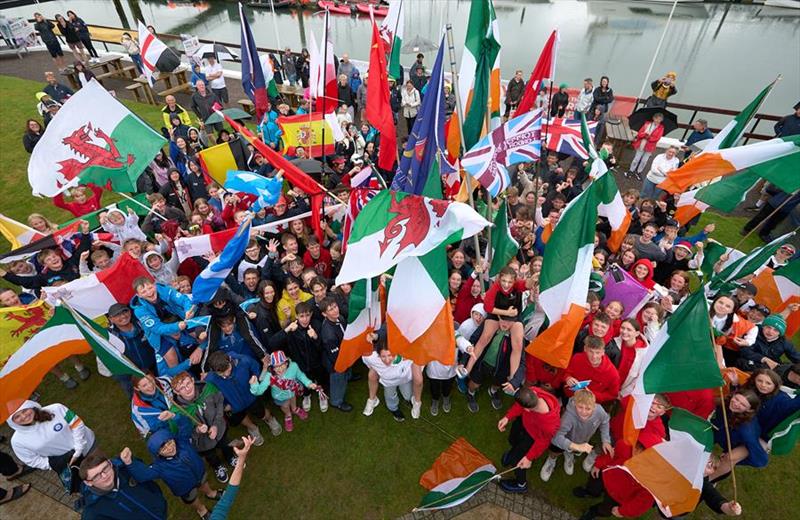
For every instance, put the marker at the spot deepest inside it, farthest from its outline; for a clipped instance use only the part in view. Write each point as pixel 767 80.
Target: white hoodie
pixel 128 229
pixel 34 443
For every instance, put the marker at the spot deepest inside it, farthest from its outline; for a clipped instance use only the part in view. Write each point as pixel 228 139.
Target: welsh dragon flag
pixel 93 138
pixel 392 34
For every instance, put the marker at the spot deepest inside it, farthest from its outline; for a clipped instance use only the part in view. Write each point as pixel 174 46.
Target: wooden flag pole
pixel 725 421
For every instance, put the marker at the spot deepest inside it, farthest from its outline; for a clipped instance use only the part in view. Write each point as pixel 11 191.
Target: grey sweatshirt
pixel 574 430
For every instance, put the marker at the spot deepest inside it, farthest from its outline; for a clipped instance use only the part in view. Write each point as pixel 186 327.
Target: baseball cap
pixel 748 287
pixel 671 223
pixel 117 309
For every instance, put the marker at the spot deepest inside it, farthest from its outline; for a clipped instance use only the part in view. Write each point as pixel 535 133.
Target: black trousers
pixel 770 224
pixel 7 465
pixel 440 388
pixel 212 455
pixel 520 443
pixel 87 42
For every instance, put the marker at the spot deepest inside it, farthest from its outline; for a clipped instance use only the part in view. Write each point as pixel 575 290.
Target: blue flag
pixel 426 142
pixel 268 190
pixel 253 81
pixel 207 283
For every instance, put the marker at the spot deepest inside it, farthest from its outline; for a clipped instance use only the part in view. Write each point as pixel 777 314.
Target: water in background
pixel 723 54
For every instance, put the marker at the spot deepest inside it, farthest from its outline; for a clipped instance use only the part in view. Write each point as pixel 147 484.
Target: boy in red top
pixel 537 415
pixel 85 199
pixel 318 258
pixel 593 364
pixel 538 373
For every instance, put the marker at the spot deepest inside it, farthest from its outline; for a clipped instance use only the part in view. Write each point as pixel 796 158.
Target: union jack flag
pixel 564 136
pixel 519 140
pixel 363 189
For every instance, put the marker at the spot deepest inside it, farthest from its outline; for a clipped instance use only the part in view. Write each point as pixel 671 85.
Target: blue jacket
pixel 181 473
pixel 746 435
pixel 145 410
pixel 130 500
pixel 172 301
pixel 236 387
pixel 136 347
pixel 224 505
pixel 184 343
pixel 270 129
pixel 774 410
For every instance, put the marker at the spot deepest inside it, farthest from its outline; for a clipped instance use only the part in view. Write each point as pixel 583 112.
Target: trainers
pixel 582 492
pixel 472 402
pixel 637 175
pixel 398 415
pixel 588 463
pixel 323 403
pixel 69 383
pixel 255 433
pixel 371 405
pixel 274 426
pixel 512 486
pixel 288 425
pixel 497 401
pixel 434 407
pixel 547 468
pixel 307 403
pixel 234 461
pixel 84 373
pixel 221 473
pixel 461 384
pixel 416 406
pixel 569 463
pixel 446 404
pixel 302 414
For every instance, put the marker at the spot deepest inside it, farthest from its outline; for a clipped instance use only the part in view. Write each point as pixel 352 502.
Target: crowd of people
pixel 277 323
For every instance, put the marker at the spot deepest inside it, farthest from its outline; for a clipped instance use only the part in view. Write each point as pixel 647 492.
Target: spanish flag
pixel 308 131
pixel 217 160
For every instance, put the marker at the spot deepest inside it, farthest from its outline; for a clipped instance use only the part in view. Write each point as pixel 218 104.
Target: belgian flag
pixel 217 160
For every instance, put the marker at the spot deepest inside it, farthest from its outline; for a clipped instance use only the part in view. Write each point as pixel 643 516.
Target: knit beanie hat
pixel 777 322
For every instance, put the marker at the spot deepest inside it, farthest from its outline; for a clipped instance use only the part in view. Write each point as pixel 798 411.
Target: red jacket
pixel 321 265
pixel 536 373
pixel 633 499
pixel 699 402
pixel 465 301
pixel 495 295
pixel 627 358
pixel 540 426
pixel 79 209
pixel 245 201
pixel 605 378
pixel 652 138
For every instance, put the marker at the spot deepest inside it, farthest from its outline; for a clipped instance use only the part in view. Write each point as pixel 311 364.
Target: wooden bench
pixel 183 87
pixel 130 71
pixel 142 92
pixel 619 133
pixel 247 106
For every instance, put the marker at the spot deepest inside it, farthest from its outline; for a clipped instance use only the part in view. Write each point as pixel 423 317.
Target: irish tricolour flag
pixel 364 317
pixel 457 474
pixel 93 138
pixel 778 289
pixel 672 471
pixel 396 225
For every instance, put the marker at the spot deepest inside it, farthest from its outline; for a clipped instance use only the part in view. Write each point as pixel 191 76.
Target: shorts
pixel 256 409
pixel 482 373
pixel 192 495
pixel 280 403
pixel 54 48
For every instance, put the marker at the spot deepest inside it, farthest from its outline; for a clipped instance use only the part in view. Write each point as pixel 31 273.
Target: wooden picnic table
pixel 174 82
pixel 109 65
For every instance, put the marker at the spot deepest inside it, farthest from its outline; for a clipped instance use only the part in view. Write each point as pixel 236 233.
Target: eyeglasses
pixel 108 468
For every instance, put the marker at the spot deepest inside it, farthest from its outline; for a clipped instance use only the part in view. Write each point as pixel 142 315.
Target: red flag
pixel 379 111
pixel 291 173
pixel 545 69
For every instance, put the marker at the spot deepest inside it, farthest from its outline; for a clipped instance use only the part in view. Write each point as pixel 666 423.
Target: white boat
pixel 788 4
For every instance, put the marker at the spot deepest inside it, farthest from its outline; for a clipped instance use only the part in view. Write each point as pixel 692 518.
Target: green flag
pixel 123 205
pixel 504 247
pixel 746 265
pixel 730 135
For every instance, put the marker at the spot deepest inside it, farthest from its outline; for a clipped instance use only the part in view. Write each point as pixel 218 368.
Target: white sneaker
pixel 323 403
pixel 371 405
pixel 547 468
pixel 274 426
pixel 569 463
pixel 307 403
pixel 415 408
pixel 588 464
pixel 258 439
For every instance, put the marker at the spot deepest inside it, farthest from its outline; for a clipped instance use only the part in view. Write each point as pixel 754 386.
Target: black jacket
pixel 750 357
pixel 301 349
pixel 559 104
pixel 502 365
pixel 196 184
pixel 331 335
pixel 515 91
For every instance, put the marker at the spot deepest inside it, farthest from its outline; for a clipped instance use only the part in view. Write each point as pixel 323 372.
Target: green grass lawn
pixel 339 465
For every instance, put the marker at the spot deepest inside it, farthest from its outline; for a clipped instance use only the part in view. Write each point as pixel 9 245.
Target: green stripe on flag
pixel 783 438
pixel 687 422
pixel 746 265
pixel 375 215
pixel 504 247
pixel 711 253
pixel 744 118
pixel 98 339
pixel 483 46
pixel 465 489
pixel 69 416
pixel 435 262
pixel 728 192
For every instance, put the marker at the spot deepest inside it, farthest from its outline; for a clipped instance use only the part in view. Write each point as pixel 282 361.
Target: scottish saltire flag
pixel 253 82
pixel 207 283
pixel 564 136
pixel 426 142
pixel 200 321
pixel 268 190
pixel 519 140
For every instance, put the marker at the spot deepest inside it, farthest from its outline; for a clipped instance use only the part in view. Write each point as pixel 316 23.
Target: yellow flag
pixel 19 324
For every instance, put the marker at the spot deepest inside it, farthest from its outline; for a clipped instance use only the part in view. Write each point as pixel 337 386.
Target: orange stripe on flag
pixel 664 482
pixel 793 321
pixel 702 168
pixel 684 214
pixel 768 293
pixel 438 343
pixel 457 461
pixel 352 349
pixel 554 345
pixel 630 434
pixel 618 235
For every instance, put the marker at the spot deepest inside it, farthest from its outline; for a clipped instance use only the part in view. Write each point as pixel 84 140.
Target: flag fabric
pixel 322 72
pixel 363 318
pixel 479 75
pixel 92 295
pixel 269 76
pixel 378 110
pixel 19 324
pixel 545 69
pixel 217 160
pixel 268 190
pixel 209 280
pixel 58 339
pixel 425 144
pixel 156 57
pixel 732 132
pixel 622 287
pixel 187 247
pixel 688 206
pixel 746 265
pixel 504 246
pixel 358 198
pixel 17 233
pixel 455 476
pixel 395 225
pixel 518 140
pixel 392 29
pixel 777 289
pixel 564 279
pixel 783 438
pixel 312 131
pixel 712 252
pixel 141 207
pixel 680 357
pixel 565 136
pixel 254 82
pixel 51 241
pixel 93 138
pixel 672 471
pixel 722 163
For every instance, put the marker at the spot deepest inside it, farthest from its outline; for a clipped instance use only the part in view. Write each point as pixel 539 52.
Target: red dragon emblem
pixel 81 143
pixel 411 215
pixel 31 320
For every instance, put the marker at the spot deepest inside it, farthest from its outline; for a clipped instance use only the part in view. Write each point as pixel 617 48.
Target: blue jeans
pixel 137 60
pixel 338 387
pixel 650 190
pixel 392 399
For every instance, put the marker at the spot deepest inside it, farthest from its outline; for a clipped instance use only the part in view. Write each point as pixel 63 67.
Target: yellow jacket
pixel 287 302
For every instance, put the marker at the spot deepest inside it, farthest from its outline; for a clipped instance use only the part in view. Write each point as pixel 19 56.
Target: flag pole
pixel 464 491
pixel 275 25
pixel 655 54
pixel 325 83
pixel 776 210
pixel 149 210
pixel 489 215
pixel 460 115
pixel 725 422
